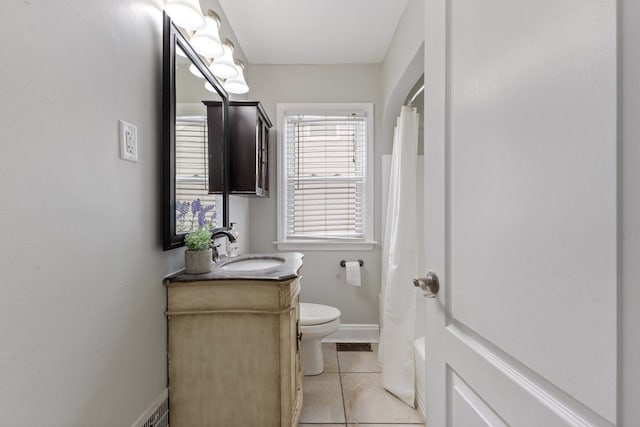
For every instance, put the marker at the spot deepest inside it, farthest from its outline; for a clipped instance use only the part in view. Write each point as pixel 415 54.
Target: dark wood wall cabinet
pixel 248 148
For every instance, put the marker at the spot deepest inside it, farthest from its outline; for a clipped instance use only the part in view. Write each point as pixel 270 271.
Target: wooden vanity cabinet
pixel 248 156
pixel 234 353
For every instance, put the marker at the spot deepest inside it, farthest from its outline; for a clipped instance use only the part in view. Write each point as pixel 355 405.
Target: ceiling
pixel 314 31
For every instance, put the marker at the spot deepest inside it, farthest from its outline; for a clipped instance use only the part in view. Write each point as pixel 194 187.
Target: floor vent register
pixel 354 346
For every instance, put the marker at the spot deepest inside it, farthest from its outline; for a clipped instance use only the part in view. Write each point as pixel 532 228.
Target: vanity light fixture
pixel 194 70
pixel 180 52
pixel 207 40
pixel 208 86
pixel 224 66
pixel 186 13
pixel 237 84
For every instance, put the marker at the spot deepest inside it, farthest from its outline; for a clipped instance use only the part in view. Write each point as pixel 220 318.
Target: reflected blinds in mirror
pixel 326 166
pixel 194 206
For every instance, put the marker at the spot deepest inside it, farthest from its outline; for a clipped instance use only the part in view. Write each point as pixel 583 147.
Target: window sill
pixel 313 245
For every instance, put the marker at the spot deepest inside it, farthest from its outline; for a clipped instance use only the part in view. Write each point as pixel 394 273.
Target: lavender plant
pixel 192 215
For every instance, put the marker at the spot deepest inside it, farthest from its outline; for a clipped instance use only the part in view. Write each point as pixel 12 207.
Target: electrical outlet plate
pixel 128 141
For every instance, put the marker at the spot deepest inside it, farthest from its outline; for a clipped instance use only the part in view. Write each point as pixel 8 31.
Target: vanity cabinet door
pixel 296 368
pixel 290 361
pixel 234 357
pixel 298 360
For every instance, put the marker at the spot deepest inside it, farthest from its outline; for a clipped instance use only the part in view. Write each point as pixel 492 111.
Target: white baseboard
pixel 356 332
pixel 142 419
pixel 420 400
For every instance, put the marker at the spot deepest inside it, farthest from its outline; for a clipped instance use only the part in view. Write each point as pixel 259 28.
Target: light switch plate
pixel 128 141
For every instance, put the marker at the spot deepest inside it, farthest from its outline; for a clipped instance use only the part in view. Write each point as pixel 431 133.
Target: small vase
pixel 197 262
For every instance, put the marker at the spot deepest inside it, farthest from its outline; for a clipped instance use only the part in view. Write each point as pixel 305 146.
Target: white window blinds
pixel 326 164
pixel 194 206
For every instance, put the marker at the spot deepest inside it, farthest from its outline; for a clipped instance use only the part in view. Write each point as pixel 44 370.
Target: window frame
pixel 318 243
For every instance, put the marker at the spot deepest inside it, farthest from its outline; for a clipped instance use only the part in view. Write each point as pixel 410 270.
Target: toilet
pixel 316 322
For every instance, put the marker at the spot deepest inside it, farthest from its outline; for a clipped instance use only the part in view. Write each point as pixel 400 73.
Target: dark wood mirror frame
pixel 172 36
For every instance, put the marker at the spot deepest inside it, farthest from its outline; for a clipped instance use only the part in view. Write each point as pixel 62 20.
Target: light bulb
pixel 194 70
pixel 186 13
pixel 238 84
pixel 207 40
pixel 224 66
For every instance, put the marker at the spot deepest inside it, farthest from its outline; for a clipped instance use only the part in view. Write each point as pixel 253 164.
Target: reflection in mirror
pixel 189 165
pixel 194 206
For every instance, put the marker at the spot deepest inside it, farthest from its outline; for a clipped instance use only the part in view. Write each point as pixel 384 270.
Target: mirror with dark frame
pixel 189 160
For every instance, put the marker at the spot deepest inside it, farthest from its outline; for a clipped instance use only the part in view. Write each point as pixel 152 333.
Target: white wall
pixel 630 234
pixel 403 65
pixel 239 213
pixel 272 84
pixel 323 281
pixel 82 308
pixel 238 205
pixel 406 42
pixel 226 31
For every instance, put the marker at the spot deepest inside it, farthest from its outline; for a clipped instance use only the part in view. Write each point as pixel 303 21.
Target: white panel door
pixel 520 212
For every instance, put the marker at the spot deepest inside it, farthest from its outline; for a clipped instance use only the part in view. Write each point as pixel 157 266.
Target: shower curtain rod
pixel 415 95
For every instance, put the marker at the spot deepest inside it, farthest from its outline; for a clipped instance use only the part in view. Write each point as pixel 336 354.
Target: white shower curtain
pixel 399 263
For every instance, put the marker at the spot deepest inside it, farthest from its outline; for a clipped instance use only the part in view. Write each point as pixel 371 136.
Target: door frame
pixel 628 212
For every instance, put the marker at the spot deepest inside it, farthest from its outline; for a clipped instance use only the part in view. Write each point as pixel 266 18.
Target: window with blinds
pixel 326 175
pixel 195 208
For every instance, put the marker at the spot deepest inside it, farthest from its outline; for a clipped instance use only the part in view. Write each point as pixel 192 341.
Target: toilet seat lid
pixel 316 314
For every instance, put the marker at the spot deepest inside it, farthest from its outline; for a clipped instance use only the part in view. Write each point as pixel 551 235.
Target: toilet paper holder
pixel 343 263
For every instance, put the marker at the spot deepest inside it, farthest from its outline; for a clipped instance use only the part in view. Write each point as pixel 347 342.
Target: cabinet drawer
pixel 224 296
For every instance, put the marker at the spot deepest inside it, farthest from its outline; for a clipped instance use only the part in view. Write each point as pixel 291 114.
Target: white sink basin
pixel 252 264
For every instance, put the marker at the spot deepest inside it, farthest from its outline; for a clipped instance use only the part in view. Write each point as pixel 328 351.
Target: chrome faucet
pixel 217 232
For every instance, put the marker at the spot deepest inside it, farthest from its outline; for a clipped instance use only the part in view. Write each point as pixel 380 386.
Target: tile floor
pixel 349 393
